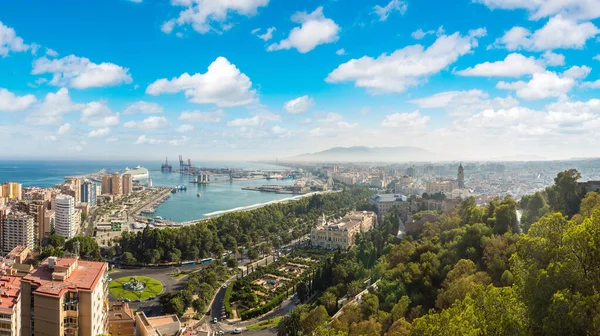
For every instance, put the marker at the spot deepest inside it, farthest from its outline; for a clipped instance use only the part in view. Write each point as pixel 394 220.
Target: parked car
pixel 215 320
pixel 237 331
pixel 224 286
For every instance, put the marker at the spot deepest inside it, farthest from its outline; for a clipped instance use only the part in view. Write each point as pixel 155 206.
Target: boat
pixel 198 194
pixel 274 177
pixel 138 173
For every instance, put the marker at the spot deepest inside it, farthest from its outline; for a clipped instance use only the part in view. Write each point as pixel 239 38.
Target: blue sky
pixel 259 79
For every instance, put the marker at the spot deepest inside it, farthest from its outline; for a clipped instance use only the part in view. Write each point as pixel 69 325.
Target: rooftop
pixel 10 292
pixel 385 198
pixel 73 274
pixel 120 311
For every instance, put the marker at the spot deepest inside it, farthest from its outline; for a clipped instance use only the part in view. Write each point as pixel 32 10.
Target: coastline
pixel 258 205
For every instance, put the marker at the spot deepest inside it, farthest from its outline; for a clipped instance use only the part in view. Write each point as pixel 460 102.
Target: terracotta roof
pixel 10 293
pixel 84 277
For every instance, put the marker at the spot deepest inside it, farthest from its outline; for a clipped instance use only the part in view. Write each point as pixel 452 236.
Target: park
pixel 135 288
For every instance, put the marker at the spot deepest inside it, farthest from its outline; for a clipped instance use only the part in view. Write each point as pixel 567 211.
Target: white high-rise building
pixel 64 216
pixel 17 231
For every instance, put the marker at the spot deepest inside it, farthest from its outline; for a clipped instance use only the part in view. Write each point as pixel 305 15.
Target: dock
pixel 96 175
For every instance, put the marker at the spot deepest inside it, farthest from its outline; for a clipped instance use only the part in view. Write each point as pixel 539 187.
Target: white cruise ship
pixel 139 173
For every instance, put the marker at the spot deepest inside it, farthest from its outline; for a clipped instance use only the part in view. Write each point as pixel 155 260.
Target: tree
pixel 329 300
pixel 232 262
pixel 459 282
pixel 88 247
pixel 314 319
pixel 57 241
pixel 565 195
pixel 302 291
pixel 128 259
pixel 369 305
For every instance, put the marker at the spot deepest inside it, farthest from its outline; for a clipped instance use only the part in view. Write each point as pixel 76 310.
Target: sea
pixel 215 199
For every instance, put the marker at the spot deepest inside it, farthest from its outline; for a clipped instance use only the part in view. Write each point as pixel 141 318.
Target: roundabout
pixel 135 288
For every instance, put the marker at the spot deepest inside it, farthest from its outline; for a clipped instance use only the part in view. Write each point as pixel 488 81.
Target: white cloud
pixel 202 117
pixel 267 35
pixel 553 59
pixel 112 139
pixel 248 122
pixel 142 139
pixel 9 102
pixel 331 118
pixel 405 67
pixel 280 131
pixel 185 128
pixel 307 121
pixel 557 33
pixel 80 72
pixel 143 107
pixel 64 129
pixel 546 84
pixel 574 9
pixel 315 29
pixel 461 103
pixel 51 52
pixel 299 105
pixel 393 5
pixel 150 123
pixel 209 15
pixel 419 34
pixel 340 52
pixel 99 132
pixel 51 110
pixel 98 114
pixel 10 42
pixel 591 85
pixel 514 65
pixel 597 57
pixel 223 85
pixel 405 120
pixel 181 141
pixel 136 1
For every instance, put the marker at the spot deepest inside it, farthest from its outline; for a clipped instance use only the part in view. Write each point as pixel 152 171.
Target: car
pixel 215 320
pixel 127 300
pixel 224 286
pixel 220 332
pixel 237 331
pixel 138 300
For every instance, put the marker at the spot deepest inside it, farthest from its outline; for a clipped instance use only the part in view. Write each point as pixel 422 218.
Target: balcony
pixel 70 313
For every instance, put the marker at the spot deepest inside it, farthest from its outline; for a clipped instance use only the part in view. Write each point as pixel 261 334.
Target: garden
pixel 135 288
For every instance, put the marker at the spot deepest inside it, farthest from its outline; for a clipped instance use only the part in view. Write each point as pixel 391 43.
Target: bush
pixel 227 299
pixel 264 309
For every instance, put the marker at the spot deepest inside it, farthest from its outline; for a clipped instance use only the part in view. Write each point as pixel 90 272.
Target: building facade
pixel 88 193
pixel 121 321
pixel 11 190
pixel 461 177
pixel 106 185
pixel 17 231
pixel 64 216
pixel 65 296
pixel 342 233
pixel 384 203
pixel 10 305
pixel 127 184
pixel 116 184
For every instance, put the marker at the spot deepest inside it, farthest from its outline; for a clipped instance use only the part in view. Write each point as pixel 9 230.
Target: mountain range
pixel 368 154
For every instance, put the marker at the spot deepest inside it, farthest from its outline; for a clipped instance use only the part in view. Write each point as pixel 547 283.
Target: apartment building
pixel 11 190
pixel 17 230
pixel 64 216
pixel 65 296
pixel 106 185
pixel 10 305
pixel 121 321
pixel 341 233
pixel 127 184
pixel 168 325
pixel 116 184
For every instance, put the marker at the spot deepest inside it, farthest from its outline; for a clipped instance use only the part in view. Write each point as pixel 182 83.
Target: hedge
pixel 227 299
pixel 263 309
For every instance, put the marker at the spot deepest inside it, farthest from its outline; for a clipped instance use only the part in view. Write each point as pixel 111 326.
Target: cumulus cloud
pixel 52 108
pixel 209 15
pixel 64 129
pixel 181 141
pixel 546 84
pixel 202 117
pixel 315 29
pixel 98 114
pixel 185 128
pixel 10 42
pixel 405 120
pixel 406 67
pixel 557 33
pixel 99 132
pixel 142 139
pixel 514 65
pixel 143 107
pixel 223 85
pixel 538 9
pixel 80 72
pixel 553 59
pixel 267 35
pixel 597 57
pixel 461 103
pixel 150 123
pixel 340 52
pixel 9 102
pixel 299 105
pixel 591 85
pixel 394 5
pixel 248 122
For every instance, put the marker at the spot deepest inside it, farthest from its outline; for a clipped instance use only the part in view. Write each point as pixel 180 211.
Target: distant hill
pixel 368 154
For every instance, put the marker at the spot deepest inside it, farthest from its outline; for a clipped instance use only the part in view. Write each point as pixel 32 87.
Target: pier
pixel 97 175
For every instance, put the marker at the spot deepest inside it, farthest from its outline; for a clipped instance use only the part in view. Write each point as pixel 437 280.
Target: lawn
pixel 153 288
pixel 266 323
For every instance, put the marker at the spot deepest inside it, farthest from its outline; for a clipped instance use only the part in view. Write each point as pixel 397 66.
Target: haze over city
pixel 260 79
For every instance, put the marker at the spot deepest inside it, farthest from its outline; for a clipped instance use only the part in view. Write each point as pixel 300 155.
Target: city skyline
pixel 260 79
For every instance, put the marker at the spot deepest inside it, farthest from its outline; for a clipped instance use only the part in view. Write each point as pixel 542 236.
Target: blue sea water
pixel 182 206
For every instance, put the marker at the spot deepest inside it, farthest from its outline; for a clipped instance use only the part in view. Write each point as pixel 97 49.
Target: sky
pixel 266 79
